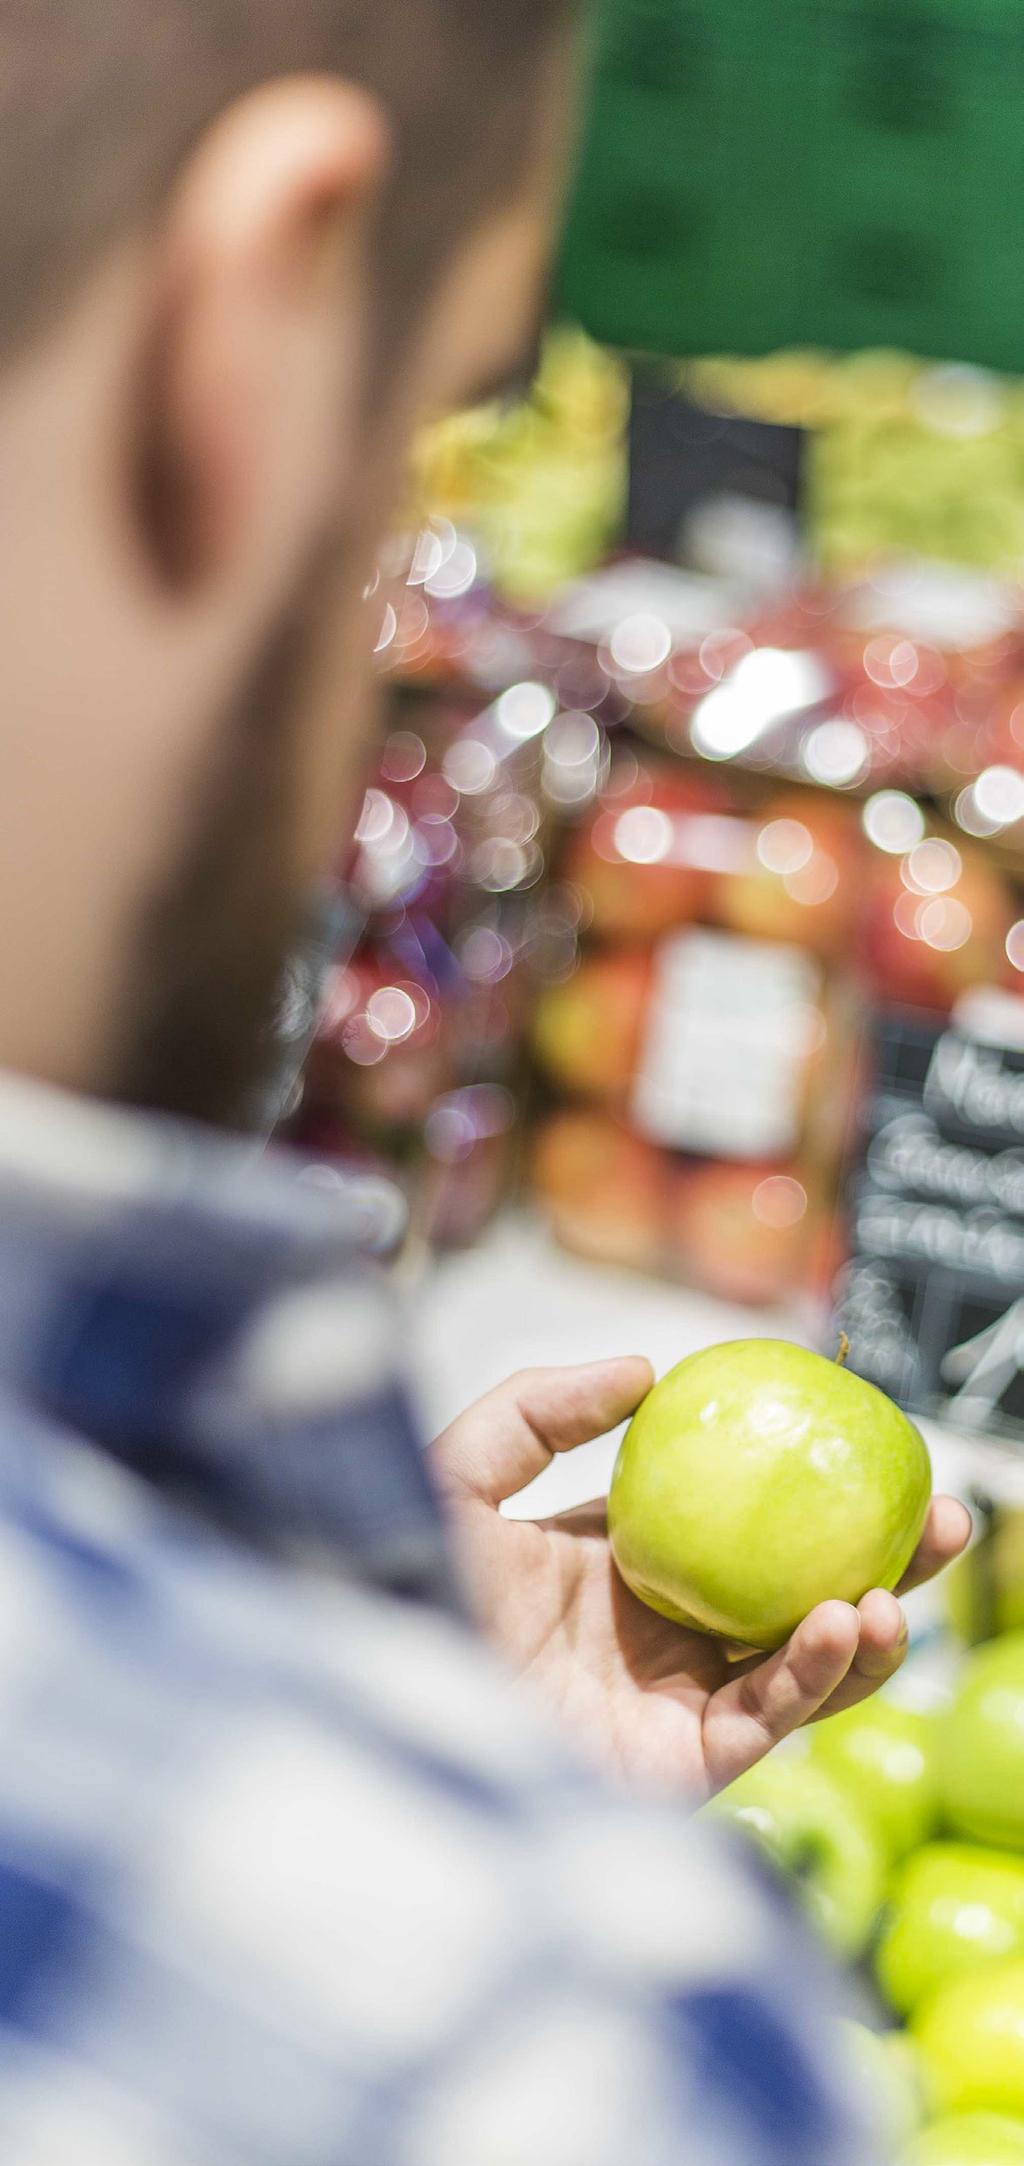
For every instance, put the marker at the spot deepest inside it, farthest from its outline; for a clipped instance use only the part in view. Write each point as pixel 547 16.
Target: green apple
pixel 884 2069
pixel 757 1480
pixel 981 1746
pixel 985 1588
pixel 884 1756
pixel 970 2034
pixel 967 2139
pixel 954 1907
pixel 799 1817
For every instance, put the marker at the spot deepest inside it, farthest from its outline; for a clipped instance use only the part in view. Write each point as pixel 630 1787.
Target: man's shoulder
pixel 295 1863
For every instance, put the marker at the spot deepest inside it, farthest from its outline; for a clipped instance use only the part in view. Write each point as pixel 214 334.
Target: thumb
pixel 768 1699
pixel 508 1438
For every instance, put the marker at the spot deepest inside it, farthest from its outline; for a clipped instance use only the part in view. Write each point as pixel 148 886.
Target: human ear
pixel 250 370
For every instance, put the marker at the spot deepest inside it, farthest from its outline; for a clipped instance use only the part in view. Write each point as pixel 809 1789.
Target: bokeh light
pixel 999 795
pixel 573 758
pixel 643 835
pixel 837 754
pixel 455 574
pixel 470 766
pixel 1015 945
pixel 640 644
pixel 944 923
pixel 785 846
pixel 391 1014
pixel 404 757
pixel 769 684
pixel 388 628
pixel 779 1201
pixel 525 710
pixel 893 822
pixel 932 866
pixel 815 882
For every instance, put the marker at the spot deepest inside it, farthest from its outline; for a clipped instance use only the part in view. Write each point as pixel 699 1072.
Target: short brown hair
pixel 100 101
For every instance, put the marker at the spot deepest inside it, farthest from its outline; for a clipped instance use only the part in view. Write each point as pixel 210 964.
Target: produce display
pixel 982 1756
pixel 688 912
pixel 864 1819
pixel 798 1815
pixel 898 1831
pixel 885 1757
pixel 968 2139
pixel 715 877
pixel 968 2034
pixel 733 937
pixel 902 458
pixel 693 859
pixel 420 1019
pixel 954 1906
pixel 757 1480
pixel 542 482
pixel 717 1059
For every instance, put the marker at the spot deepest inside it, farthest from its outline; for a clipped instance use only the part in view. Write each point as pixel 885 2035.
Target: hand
pixel 661 1703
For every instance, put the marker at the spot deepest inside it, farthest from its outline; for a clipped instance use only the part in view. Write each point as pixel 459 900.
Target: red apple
pixel 602 1187
pixel 1004 739
pixel 936 923
pixel 742 1232
pixel 382 1050
pixel 587 1031
pixel 803 884
pixel 633 860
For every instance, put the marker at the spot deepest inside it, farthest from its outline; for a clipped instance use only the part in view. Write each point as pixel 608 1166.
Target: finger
pixel 508 1438
pixel 947 1531
pixel 753 1712
pixel 881 1647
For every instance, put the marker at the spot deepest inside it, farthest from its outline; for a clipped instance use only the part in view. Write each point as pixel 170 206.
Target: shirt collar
pixel 203 1315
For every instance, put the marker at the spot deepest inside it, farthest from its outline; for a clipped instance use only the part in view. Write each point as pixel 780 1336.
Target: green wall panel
pixel 766 173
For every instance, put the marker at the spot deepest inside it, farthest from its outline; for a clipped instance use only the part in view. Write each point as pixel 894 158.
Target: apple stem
pixel 842 1350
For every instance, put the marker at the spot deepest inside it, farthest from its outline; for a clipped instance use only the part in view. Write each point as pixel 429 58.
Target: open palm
pixel 660 1703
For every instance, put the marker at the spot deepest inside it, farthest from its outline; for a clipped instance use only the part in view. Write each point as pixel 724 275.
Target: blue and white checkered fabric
pixel 290 1875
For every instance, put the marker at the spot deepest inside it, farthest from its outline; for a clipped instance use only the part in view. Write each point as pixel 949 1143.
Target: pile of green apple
pixel 903 459
pixel 755 1480
pixel 903 1832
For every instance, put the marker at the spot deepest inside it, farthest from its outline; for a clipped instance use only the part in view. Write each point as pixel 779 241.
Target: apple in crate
pixel 954 1907
pixel 803 881
pixel 885 1756
pixel 587 1030
pixel 936 923
pixel 739 1231
pixel 981 1746
pixel 967 2139
pixel 602 1187
pixel 817 1839
pixel 970 2034
pixel 637 859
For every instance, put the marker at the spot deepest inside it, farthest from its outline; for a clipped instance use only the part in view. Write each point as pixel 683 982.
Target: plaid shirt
pixel 290 1875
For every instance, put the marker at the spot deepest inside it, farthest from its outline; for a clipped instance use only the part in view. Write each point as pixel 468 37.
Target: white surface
pixel 518 1302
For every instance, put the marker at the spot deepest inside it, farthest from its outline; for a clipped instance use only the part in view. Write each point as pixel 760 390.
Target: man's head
pixel 243 245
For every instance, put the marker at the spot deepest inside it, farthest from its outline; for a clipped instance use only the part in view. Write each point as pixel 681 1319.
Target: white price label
pixel 730 1024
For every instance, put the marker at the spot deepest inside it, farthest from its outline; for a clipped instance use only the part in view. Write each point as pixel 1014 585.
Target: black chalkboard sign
pixel 932 1298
